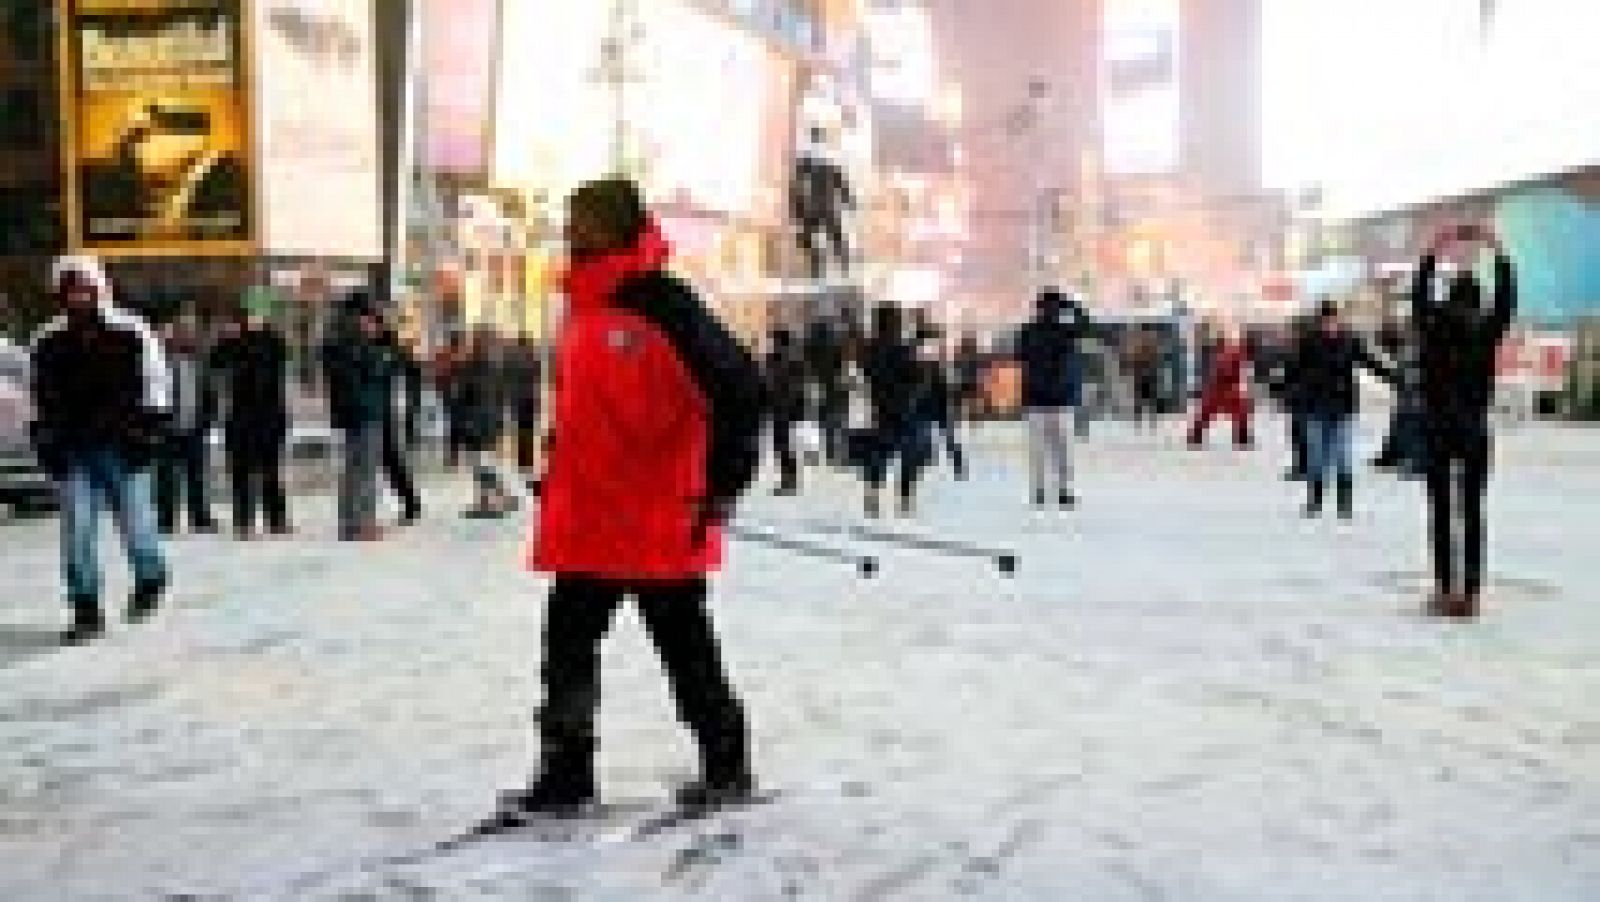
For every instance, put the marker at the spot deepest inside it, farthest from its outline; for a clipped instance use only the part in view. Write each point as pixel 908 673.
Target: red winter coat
pixel 1226 381
pixel 628 439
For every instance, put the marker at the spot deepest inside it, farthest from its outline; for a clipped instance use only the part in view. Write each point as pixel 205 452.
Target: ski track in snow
pixel 1187 693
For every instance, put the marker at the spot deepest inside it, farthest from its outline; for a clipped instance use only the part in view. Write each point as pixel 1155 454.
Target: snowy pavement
pixel 1187 693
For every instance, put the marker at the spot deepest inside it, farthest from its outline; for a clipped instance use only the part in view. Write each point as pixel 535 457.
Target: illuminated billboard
pixel 317 103
pixel 1140 97
pixel 157 116
pixel 706 118
pixel 458 53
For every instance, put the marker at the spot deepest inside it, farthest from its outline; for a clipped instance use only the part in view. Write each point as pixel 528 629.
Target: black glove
pixel 709 513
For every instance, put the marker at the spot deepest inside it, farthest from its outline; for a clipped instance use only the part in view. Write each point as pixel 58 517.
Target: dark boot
pixel 565 785
pixel 88 624
pixel 1346 487
pixel 1316 489
pixel 1067 500
pixel 726 777
pixel 145 599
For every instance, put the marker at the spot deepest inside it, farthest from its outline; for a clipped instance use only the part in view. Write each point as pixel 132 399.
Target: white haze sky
pixel 1386 102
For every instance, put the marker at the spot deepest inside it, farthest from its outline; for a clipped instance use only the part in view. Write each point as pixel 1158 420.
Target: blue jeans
pixel 1330 447
pixel 94 479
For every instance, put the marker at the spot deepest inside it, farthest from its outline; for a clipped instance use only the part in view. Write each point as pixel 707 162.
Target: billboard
pixel 459 39
pixel 155 98
pixel 1140 98
pixel 707 116
pixel 317 103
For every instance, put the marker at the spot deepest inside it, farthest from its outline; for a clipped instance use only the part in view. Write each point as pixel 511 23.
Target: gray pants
pixel 1050 435
pixel 358 482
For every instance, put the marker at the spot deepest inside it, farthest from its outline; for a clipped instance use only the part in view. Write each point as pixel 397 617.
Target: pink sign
pixel 459 52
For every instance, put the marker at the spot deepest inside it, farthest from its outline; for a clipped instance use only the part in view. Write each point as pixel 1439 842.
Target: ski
pixel 684 815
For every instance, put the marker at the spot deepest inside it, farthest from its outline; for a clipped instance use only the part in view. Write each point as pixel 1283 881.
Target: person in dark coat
pixel 1457 345
pixel 896 384
pixel 785 372
pixel 825 358
pixel 102 398
pixel 656 426
pixel 394 459
pixel 252 371
pixel 360 387
pixel 967 370
pixel 1049 348
pixel 1325 372
pixel 524 379
pixel 819 195
pixel 481 398
pixel 183 474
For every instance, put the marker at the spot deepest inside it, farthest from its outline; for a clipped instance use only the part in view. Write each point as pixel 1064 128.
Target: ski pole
pixel 865 565
pixel 1006 561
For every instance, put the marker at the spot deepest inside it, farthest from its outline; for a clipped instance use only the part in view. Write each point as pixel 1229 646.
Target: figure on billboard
pixel 165 176
pixel 819 195
pixel 321 37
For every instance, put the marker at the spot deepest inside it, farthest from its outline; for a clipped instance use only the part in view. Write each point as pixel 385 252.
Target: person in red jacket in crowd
pixel 655 433
pixel 1225 392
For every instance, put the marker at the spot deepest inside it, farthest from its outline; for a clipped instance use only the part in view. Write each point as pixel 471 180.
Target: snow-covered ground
pixel 1187 693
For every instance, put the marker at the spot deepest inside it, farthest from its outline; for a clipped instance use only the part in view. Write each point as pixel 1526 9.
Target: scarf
pixel 590 282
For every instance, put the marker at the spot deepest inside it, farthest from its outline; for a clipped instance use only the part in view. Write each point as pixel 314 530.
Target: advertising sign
pixel 1139 77
pixel 707 117
pixel 458 54
pixel 156 102
pixel 316 89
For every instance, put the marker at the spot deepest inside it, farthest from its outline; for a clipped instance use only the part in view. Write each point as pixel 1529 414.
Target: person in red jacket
pixel 1225 392
pixel 655 432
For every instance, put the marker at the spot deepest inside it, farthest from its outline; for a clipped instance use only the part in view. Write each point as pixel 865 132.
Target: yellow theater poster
pixel 158 156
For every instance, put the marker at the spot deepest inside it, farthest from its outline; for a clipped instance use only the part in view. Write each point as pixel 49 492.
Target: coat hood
pixel 90 268
pixel 591 281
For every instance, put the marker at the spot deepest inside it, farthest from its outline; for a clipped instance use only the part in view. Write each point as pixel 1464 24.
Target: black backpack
pixel 728 375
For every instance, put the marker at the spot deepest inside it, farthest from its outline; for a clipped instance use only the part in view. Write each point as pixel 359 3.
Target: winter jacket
pixel 98 383
pixel 1049 347
pixel 651 425
pixel 1456 353
pixel 1228 367
pixel 252 370
pixel 896 383
pixel 1325 373
pixel 479 397
pixel 360 377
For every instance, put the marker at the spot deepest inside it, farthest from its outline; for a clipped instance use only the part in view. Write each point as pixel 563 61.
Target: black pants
pixel 1299 457
pixel 818 237
pixel 1458 463
pixel 527 420
pixel 182 476
pixel 947 427
pixel 397 468
pixel 255 469
pixel 783 448
pixel 679 624
pixel 1146 400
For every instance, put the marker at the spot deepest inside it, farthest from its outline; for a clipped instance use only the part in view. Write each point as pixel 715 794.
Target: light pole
pixel 616 71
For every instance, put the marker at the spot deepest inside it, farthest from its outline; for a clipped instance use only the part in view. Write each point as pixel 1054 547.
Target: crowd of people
pixel 657 418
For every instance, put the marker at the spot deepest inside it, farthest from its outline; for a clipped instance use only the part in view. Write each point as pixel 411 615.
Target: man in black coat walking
pixel 785 372
pixel 1457 345
pixel 252 369
pixel 1049 347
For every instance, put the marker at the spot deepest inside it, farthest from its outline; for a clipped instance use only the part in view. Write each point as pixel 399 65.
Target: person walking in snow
pixel 1226 392
pixel 657 418
pixel 102 396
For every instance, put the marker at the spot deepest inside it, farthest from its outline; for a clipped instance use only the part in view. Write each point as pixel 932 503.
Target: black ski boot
pixel 88 624
pixel 726 778
pixel 1067 501
pixel 565 787
pixel 145 599
pixel 1346 488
